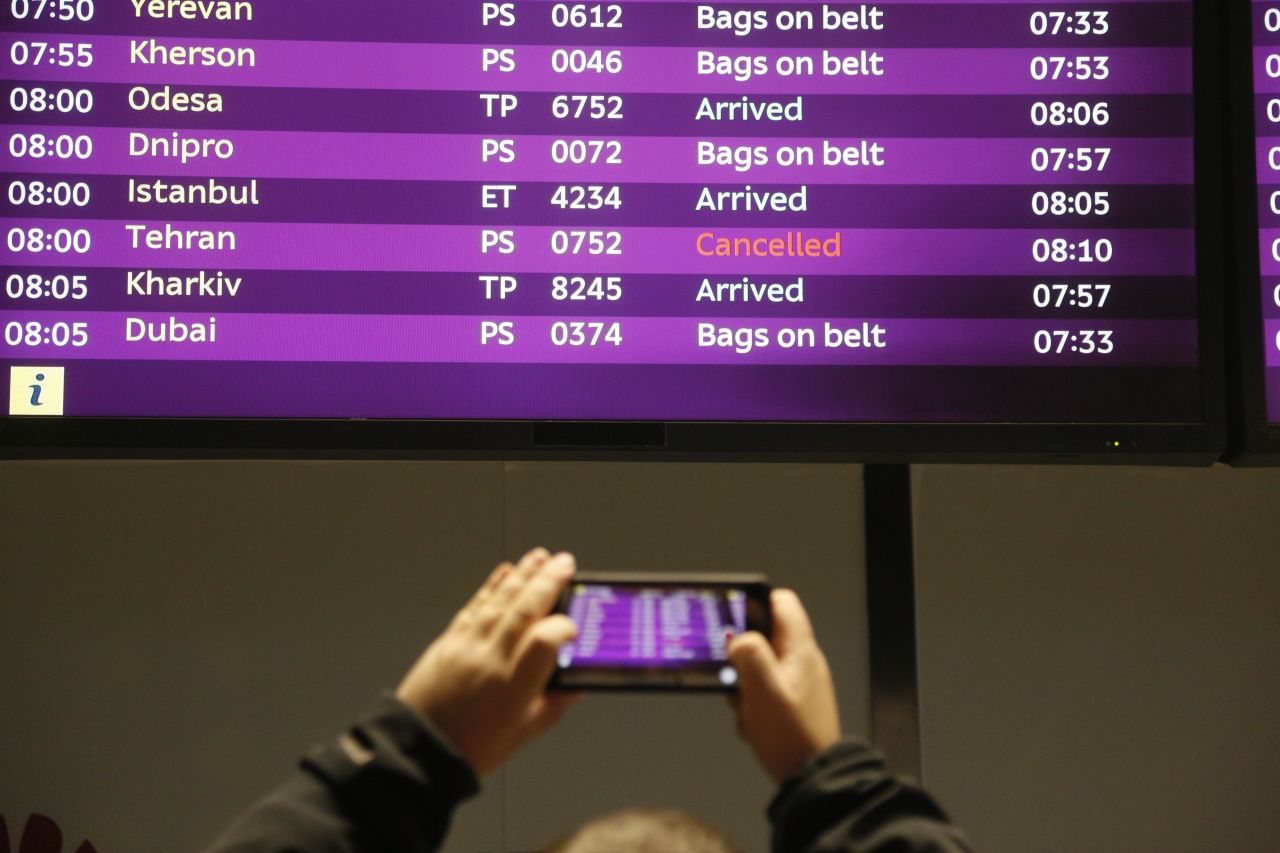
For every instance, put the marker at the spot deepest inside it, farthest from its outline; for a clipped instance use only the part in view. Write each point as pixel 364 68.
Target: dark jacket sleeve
pixel 845 801
pixel 388 784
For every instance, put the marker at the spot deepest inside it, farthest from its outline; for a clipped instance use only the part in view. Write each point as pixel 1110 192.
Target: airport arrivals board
pixel 977 212
pixel 1266 75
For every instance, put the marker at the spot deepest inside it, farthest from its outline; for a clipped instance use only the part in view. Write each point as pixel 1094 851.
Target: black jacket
pixel 390 785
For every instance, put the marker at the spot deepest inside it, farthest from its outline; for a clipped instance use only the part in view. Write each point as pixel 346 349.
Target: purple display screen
pixel 1266 64
pixel 774 211
pixel 652 626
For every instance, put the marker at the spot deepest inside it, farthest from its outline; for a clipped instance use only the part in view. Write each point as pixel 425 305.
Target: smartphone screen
pixel 666 633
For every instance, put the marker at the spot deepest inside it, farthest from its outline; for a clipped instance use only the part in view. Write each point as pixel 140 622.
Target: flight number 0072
pixel 587 197
pixel 581 152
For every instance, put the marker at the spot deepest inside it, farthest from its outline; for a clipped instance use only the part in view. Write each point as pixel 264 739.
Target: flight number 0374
pixel 585 334
pixel 587 197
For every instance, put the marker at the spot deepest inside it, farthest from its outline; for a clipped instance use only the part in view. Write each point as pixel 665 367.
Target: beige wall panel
pixel 1099 651
pixel 173 636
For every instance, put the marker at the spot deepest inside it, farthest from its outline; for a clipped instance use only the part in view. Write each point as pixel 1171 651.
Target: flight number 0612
pixel 593 16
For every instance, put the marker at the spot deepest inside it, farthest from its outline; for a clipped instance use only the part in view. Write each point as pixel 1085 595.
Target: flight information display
pixel 646 626
pixel 1266 74
pixel 773 211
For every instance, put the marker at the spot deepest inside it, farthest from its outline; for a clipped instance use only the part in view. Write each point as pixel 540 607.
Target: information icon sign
pixel 36 390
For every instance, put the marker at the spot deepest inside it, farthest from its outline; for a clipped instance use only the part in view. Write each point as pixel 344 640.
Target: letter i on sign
pixel 36 391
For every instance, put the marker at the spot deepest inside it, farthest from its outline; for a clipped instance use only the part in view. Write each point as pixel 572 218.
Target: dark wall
pixel 1098 647
pixel 175 635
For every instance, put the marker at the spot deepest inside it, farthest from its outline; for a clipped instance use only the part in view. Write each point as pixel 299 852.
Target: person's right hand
pixel 786 700
pixel 483 681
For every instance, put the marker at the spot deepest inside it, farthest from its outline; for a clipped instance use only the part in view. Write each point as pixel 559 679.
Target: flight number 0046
pixel 581 61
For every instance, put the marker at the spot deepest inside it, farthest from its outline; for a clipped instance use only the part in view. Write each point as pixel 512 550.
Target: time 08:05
pixel 35 286
pixel 34 334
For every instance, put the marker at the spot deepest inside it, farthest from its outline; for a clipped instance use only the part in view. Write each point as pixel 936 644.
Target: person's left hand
pixel 482 682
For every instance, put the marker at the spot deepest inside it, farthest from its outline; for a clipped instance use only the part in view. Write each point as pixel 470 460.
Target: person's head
pixel 646 831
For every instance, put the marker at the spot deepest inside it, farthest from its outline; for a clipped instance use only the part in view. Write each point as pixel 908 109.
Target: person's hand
pixel 482 682
pixel 786 700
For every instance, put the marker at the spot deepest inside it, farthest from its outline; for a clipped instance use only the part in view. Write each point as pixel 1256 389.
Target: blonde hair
pixel 646 831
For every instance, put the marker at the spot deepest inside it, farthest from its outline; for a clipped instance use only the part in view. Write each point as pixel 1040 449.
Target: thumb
pixel 546 711
pixel 536 654
pixel 757 665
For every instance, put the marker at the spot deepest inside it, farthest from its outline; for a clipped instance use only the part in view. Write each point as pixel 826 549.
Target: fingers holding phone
pixel 481 683
pixel 658 631
pixel 786 702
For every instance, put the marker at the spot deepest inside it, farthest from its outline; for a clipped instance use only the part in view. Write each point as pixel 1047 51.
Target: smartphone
pixel 658 631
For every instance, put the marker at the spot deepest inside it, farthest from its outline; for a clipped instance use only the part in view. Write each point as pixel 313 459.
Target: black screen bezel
pixel 1200 443
pixel 1253 440
pixel 611 679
